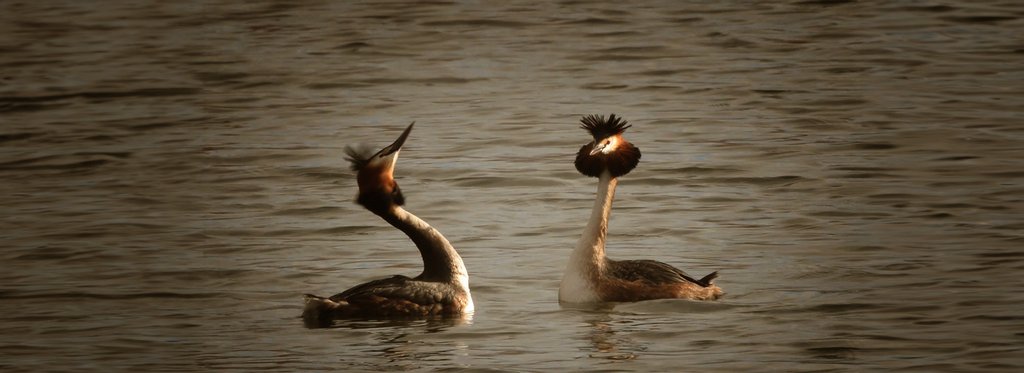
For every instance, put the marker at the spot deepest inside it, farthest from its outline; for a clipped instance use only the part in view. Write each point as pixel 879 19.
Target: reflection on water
pixel 428 325
pixel 173 181
pixel 399 344
pixel 603 341
pixel 609 345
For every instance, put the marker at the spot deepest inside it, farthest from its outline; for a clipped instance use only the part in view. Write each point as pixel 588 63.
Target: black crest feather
pixel 600 127
pixel 358 157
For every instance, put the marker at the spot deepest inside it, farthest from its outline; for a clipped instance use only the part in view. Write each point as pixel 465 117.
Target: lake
pixel 174 181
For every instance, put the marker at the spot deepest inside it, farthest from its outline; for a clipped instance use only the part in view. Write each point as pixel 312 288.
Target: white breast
pixel 464 281
pixel 576 287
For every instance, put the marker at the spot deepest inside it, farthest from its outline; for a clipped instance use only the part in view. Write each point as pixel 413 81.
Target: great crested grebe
pixel 591 277
pixel 443 287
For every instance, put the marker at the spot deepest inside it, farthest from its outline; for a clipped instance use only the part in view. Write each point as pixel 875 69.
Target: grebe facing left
pixel 591 277
pixel 443 287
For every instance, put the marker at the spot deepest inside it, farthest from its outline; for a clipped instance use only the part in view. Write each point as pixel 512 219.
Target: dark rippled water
pixel 173 181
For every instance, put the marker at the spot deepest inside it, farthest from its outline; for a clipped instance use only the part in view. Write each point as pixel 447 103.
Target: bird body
pixel 590 277
pixel 442 289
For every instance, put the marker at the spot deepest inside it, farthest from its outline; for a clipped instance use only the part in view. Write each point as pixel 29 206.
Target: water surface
pixel 173 182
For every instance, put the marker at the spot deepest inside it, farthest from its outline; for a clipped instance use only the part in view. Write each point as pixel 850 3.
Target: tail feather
pixel 318 311
pixel 706 280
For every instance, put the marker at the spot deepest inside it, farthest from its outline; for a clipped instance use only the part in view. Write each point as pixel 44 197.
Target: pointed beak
pixel 598 147
pixel 389 155
pixel 397 145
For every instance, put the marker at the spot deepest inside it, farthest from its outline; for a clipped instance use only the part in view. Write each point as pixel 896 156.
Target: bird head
pixel 378 190
pixel 609 150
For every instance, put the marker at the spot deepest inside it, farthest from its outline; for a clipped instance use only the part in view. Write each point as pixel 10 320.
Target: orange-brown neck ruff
pixel 619 161
pixel 376 178
pixel 378 190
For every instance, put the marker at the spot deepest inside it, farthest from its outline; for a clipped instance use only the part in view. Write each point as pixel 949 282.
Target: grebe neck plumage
pixel 592 243
pixel 442 289
pixel 441 263
pixel 588 258
pixel 591 277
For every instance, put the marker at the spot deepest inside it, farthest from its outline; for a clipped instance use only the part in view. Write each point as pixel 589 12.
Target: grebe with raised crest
pixel 590 276
pixel 442 289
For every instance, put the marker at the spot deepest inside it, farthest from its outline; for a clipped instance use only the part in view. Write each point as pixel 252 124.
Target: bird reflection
pixel 407 344
pixel 609 344
pixel 428 325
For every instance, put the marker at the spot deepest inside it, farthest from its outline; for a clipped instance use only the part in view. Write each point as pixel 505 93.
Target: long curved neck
pixel 440 261
pixel 590 248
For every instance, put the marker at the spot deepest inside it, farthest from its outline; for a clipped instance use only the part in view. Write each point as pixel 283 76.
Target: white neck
pixel 590 248
pixel 588 258
pixel 440 260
